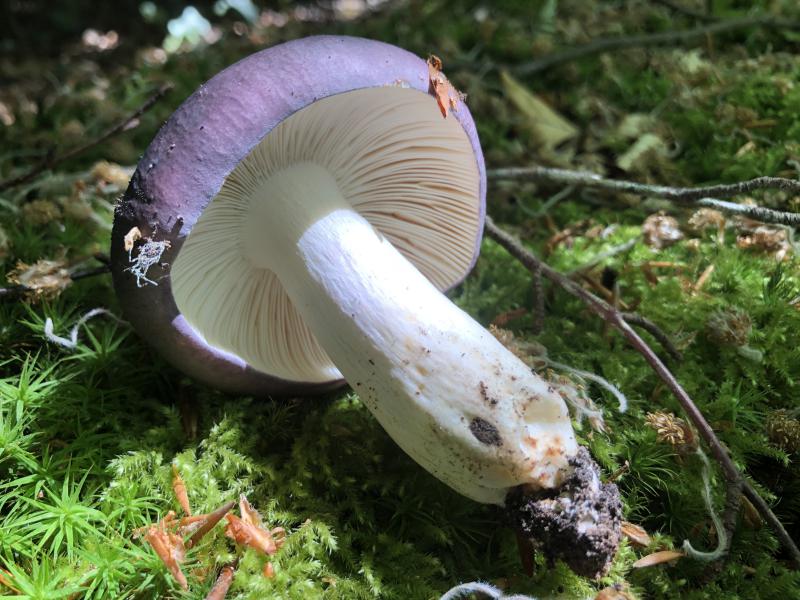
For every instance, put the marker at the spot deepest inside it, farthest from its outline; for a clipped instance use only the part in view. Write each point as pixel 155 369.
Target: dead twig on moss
pixel 650 40
pixel 616 319
pixel 654 330
pixel 52 160
pixel 703 196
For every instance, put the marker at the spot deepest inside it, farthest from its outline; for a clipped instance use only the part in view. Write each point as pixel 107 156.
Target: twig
pixel 654 330
pixel 758 213
pixel 612 316
pixel 648 40
pixel 52 160
pixel 538 303
pixel 696 196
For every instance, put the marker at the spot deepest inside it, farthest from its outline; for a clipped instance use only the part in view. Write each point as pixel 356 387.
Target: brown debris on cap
pixel 447 97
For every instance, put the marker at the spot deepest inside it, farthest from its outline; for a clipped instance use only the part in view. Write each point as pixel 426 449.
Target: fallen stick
pixel 612 316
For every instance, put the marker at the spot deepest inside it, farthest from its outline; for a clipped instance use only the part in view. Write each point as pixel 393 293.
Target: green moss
pixel 88 437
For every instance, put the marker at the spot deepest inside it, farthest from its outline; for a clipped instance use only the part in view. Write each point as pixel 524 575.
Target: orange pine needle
pixel 6 578
pixel 269 571
pixel 179 487
pixel 170 550
pixel 248 535
pixel 438 85
pixel 657 558
pixel 208 523
pixel 636 534
pixel 249 530
pixel 220 589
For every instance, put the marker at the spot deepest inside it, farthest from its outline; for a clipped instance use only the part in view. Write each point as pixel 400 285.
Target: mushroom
pixel 298 218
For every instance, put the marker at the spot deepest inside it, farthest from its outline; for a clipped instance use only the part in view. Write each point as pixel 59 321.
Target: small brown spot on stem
pixel 485 432
pixel 485 394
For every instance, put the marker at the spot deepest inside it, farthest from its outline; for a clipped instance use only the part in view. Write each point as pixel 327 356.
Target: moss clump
pixel 88 437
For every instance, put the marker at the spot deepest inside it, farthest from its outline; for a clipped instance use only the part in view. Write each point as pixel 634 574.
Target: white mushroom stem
pixel 452 396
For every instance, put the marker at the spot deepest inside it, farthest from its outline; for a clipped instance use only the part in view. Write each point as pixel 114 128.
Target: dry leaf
pixel 657 558
pixel 131 238
pixel 614 592
pixel 6 578
pixel 169 547
pixel 180 491
pixel 636 534
pixel 45 278
pixel 439 86
pixel 108 172
pixel 705 218
pixel 40 212
pixel 548 128
pixel 634 125
pixel 249 530
pixel 220 589
pixel 766 238
pixel 661 231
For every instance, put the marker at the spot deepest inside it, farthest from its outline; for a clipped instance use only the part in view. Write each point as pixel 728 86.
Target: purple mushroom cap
pixel 187 163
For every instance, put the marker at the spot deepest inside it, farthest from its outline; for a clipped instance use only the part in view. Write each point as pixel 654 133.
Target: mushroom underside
pixel 325 253
pixel 393 159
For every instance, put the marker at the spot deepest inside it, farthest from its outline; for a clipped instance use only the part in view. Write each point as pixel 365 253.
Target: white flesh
pixel 424 367
pixel 452 396
pixel 408 171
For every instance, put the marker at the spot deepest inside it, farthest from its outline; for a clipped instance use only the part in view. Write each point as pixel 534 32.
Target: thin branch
pixel 52 160
pixel 695 196
pixel 612 316
pixel 654 330
pixel 538 303
pixel 649 40
pixel 758 213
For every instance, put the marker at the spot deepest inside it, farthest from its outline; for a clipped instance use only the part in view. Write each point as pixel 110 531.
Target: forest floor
pixel 91 435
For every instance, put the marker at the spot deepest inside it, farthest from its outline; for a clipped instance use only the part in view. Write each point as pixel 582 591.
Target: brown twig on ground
pixel 538 303
pixel 649 40
pixel 616 319
pixel 654 330
pixel 693 196
pixel 53 160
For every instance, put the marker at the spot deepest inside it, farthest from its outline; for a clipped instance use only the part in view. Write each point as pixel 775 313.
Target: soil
pixel 578 523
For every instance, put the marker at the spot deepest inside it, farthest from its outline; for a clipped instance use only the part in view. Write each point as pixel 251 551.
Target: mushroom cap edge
pixel 194 151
